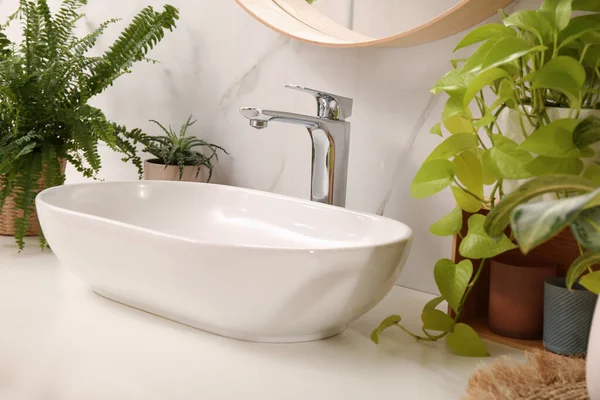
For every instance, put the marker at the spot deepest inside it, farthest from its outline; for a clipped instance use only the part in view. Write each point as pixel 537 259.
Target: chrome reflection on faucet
pixel 330 135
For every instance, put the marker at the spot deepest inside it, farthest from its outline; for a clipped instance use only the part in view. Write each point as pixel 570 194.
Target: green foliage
pixel 479 245
pixel 46 82
pixel 386 323
pixel 537 222
pixel 532 61
pixel 466 342
pixel 448 225
pixel 453 279
pixel 178 149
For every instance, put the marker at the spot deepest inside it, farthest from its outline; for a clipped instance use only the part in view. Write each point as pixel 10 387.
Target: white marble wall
pixel 220 59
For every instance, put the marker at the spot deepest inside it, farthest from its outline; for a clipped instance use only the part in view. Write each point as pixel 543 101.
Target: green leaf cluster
pixel 532 61
pixel 534 223
pixel 46 82
pixel 178 149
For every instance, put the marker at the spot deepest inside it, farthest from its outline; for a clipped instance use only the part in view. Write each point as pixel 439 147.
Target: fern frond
pixel 53 176
pixel 7 182
pixel 47 33
pixel 76 161
pixel 146 30
pixel 25 189
pixel 46 81
pixel 66 18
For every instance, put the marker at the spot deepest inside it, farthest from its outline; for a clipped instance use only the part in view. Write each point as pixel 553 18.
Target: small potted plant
pixel 513 108
pixel 568 313
pixel 46 83
pixel 177 156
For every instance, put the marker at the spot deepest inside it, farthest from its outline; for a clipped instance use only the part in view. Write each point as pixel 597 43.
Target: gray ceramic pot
pixel 567 317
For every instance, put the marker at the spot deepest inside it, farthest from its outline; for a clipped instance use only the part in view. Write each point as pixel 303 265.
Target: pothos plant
pixel 534 223
pixel 532 61
pixel 46 81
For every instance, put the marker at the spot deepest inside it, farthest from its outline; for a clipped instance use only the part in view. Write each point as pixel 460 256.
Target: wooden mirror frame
pixel 298 20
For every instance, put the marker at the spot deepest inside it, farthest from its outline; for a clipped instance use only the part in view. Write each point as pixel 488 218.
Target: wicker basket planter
pixel 10 212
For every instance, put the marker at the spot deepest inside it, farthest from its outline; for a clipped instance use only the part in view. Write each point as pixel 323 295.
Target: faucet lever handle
pixel 331 106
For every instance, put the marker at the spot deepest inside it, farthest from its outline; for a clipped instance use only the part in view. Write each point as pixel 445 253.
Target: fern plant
pixel 179 149
pixel 46 81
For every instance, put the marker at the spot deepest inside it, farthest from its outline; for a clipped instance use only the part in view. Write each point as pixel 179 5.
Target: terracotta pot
pixel 593 357
pixel 567 317
pixel 10 211
pixel 516 308
pixel 154 170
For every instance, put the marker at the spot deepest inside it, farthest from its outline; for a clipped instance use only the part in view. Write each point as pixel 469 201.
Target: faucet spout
pixel 260 118
pixel 331 143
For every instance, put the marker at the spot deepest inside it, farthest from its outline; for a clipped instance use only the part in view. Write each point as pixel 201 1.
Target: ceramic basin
pixel 235 262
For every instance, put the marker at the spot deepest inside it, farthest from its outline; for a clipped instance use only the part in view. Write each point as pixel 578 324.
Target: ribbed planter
pixel 593 358
pixel 567 317
pixel 10 212
pixel 155 170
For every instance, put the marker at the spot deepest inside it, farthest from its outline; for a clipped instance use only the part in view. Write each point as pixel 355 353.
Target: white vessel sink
pixel 235 262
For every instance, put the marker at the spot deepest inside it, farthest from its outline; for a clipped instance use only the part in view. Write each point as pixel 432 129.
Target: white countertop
pixel 60 341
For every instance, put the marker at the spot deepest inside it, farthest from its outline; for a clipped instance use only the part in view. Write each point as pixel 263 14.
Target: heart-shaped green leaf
pixel 452 82
pixel 434 176
pixel 449 224
pixel 499 217
pixel 577 28
pixel 591 282
pixel 586 228
pixel 464 341
pixel 587 132
pixel 553 140
pixel 452 280
pixel 468 169
pixel 436 320
pixel 465 200
pixel 437 129
pixel 507 50
pixel 560 12
pixel 488 174
pixel 474 64
pixel 543 165
pixel 386 323
pixel 432 304
pixel 453 145
pixel 506 160
pixel 535 223
pixel 532 21
pixel 482 80
pixel 487 119
pixel 563 74
pixel 478 244
pixel 506 95
pixel 458 123
pixel 485 32
pixel 579 266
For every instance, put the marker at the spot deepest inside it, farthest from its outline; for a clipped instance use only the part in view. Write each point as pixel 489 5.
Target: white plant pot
pixel 593 358
pixel 153 171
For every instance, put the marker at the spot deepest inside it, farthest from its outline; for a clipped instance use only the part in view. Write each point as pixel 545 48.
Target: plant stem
pixel 470 193
pixel 494 190
pixel 481 142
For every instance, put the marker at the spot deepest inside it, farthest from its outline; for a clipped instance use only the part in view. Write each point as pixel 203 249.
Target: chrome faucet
pixel 330 135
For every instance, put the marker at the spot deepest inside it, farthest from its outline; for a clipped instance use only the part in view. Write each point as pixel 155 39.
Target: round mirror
pixel 386 23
